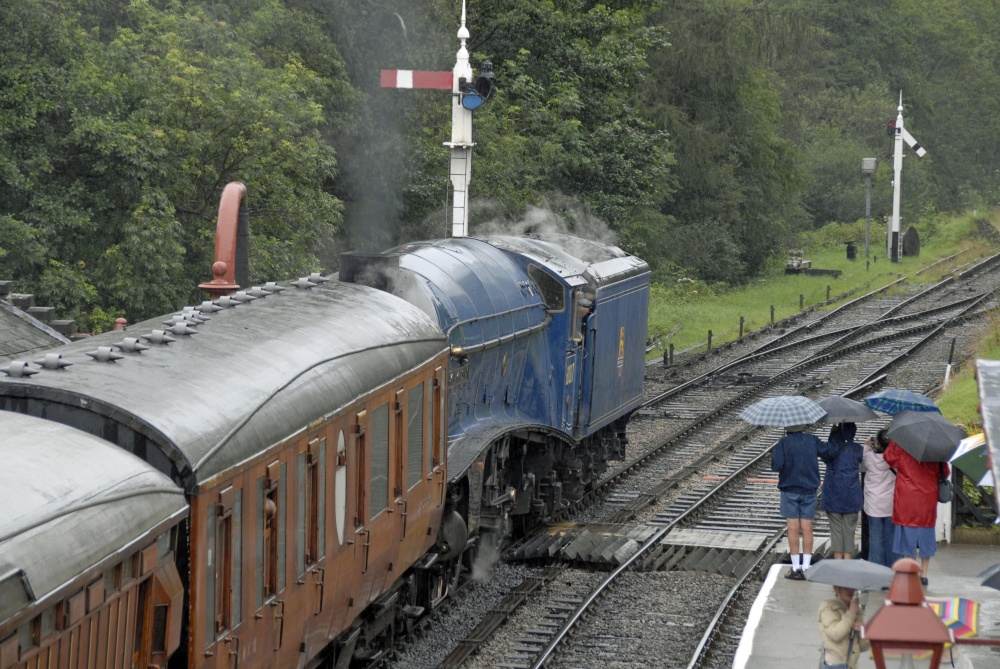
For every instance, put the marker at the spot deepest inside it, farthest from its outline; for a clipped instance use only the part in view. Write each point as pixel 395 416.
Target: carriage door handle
pixel 402 503
pixel 320 577
pixel 279 619
pixel 234 655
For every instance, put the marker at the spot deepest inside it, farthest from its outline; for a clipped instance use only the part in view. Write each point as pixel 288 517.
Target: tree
pixel 146 127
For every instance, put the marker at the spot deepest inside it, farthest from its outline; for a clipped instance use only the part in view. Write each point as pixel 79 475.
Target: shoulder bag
pixel 946 492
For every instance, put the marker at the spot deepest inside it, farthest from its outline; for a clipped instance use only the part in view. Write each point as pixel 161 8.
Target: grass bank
pixel 683 313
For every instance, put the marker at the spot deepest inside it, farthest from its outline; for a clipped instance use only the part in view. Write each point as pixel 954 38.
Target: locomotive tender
pixel 291 480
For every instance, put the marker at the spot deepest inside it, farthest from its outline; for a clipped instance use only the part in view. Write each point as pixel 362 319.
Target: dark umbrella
pixel 841 409
pixel 991 577
pixel 894 400
pixel 926 435
pixel 854 574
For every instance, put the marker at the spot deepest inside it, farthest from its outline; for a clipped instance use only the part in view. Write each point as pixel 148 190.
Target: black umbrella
pixel 991 577
pixel 926 435
pixel 841 409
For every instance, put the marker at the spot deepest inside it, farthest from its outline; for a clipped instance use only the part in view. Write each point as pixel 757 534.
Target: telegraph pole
pixel 868 169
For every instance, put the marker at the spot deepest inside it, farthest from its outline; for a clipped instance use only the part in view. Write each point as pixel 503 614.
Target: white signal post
pixel 461 138
pixel 900 136
pixel 461 120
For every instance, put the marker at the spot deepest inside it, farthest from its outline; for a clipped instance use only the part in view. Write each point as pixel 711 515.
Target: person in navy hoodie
pixel 842 496
pixel 795 458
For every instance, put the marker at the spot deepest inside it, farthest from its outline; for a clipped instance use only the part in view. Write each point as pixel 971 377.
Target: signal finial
pixel 463 32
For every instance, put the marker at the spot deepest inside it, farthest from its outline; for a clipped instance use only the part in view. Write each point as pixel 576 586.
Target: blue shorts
pixel 908 540
pixel 798 505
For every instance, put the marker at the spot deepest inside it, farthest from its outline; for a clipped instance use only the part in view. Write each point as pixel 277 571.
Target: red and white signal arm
pixel 417 79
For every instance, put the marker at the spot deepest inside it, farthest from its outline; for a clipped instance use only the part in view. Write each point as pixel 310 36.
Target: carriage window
pixel 361 481
pixel 429 434
pixel 139 621
pixel 160 612
pixel 311 471
pixel 380 460
pixel 552 292
pixel 282 517
pixel 223 597
pixel 414 435
pixel 267 536
pixel 223 571
pixel 439 419
pixel 399 441
pixel 271 542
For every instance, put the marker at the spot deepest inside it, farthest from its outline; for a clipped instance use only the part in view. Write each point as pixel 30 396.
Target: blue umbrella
pixel 894 400
pixel 783 411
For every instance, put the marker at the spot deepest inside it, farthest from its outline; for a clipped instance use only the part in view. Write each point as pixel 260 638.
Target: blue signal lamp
pixel 472 101
pixel 481 89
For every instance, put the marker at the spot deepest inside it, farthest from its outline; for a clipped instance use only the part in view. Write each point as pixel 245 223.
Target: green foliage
pixel 738 179
pixel 710 137
pixel 114 163
pixel 688 308
pixel 565 118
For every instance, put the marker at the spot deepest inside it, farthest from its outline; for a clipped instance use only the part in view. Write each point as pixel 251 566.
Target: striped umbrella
pixel 959 614
pixel 894 400
pixel 783 411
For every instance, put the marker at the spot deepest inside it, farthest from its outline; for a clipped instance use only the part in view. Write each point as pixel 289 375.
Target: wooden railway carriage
pixel 87 537
pixel 307 428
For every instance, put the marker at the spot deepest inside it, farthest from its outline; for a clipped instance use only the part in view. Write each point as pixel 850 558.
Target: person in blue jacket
pixel 842 496
pixel 795 458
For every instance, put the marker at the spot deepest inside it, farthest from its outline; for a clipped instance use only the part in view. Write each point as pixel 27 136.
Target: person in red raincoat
pixel 914 505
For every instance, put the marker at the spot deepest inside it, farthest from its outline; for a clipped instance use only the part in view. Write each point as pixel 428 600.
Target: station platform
pixel 782 630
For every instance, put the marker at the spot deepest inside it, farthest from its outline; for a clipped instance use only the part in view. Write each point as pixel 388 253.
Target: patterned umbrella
pixel 971 458
pixel 926 435
pixel 894 400
pixel 959 614
pixel 783 411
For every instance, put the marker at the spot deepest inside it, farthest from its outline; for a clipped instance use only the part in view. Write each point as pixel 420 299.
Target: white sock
pixel 807 560
pixel 796 564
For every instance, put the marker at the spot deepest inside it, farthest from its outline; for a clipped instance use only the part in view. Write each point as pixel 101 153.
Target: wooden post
pixel 709 340
pixel 671 354
pixel 741 327
pixel 802 301
pixel 772 314
pixel 827 292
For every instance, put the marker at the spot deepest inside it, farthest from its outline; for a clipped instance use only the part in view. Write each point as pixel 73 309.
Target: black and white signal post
pixel 899 136
pixel 467 95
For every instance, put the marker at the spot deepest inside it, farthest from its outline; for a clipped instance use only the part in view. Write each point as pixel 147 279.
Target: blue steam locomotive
pixel 547 335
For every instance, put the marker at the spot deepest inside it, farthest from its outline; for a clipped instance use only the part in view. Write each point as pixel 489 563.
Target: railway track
pixel 659 488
